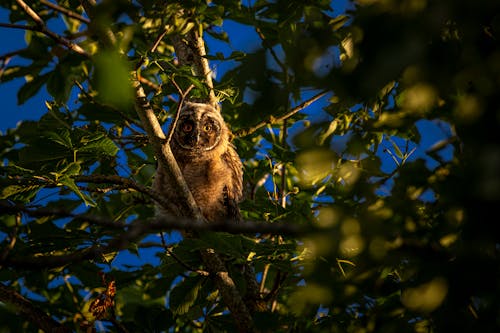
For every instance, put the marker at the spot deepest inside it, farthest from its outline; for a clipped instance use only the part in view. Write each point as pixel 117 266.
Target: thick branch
pixel 163 152
pixel 228 290
pixel 30 311
pixel 190 50
pixel 129 233
pixel 271 120
pixel 166 223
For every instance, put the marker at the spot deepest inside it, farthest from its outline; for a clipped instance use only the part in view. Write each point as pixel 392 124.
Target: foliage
pixel 398 229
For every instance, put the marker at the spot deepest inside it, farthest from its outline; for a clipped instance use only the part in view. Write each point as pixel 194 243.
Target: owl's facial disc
pixel 198 134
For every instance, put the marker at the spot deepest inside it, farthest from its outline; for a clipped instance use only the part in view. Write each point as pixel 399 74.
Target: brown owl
pixel 209 162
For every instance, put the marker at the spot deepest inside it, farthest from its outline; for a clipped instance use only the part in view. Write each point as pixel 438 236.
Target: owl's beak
pixel 194 139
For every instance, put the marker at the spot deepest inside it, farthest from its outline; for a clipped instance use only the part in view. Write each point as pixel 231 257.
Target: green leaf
pixel 226 243
pixel 237 55
pixel 59 85
pixel 61 137
pixel 14 190
pixel 42 151
pixel 338 22
pixel 70 183
pixel 184 295
pixel 94 111
pixel 14 72
pixel 112 79
pixel 101 145
pixel 398 151
pixel 30 88
pixel 72 169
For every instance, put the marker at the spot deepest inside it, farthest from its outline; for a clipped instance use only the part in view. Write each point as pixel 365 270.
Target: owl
pixel 209 162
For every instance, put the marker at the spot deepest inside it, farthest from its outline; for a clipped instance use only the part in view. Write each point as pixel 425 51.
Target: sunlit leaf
pixel 70 183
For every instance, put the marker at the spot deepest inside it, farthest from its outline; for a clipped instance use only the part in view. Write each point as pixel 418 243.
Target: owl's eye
pixel 207 128
pixel 187 127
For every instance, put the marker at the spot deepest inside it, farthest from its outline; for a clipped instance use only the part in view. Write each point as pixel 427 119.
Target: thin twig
pixel 43 29
pixel 126 233
pixel 19 26
pixel 182 97
pixel 152 49
pixel 165 222
pixel 271 120
pixel 283 165
pixel 8 55
pixel 183 264
pixel 105 179
pixel 264 278
pixel 158 40
pixel 65 11
pixel 270 48
pixel 153 86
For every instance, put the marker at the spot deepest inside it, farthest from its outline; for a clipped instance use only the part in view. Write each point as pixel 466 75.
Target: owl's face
pixel 200 128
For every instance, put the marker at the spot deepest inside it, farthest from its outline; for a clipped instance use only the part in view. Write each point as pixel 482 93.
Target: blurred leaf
pixel 112 79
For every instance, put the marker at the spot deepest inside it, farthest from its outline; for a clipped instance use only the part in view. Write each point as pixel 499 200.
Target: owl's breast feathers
pixel 210 164
pixel 216 185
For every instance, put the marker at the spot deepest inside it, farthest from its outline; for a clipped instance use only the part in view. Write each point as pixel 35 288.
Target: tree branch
pixel 271 120
pixel 228 290
pixel 163 152
pixel 183 264
pixel 43 29
pixel 111 179
pixel 182 97
pixel 166 223
pixel 65 11
pixel 34 16
pixel 19 26
pixel 190 50
pixel 30 311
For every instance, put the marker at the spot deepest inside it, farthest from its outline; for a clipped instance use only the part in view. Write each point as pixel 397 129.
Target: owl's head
pixel 200 130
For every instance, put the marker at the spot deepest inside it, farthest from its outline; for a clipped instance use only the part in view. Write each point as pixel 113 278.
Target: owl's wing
pixel 232 212
pixel 232 160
